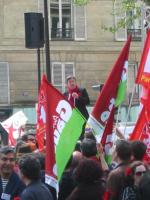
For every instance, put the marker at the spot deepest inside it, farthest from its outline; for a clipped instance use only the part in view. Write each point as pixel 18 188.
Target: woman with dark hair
pixel 133 177
pixel 89 184
pixel 67 182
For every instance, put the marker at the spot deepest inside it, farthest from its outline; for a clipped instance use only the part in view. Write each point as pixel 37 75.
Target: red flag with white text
pixel 64 124
pixel 41 118
pixel 13 126
pixel 44 120
pixel 143 76
pixel 106 99
pixel 142 131
pixel 107 138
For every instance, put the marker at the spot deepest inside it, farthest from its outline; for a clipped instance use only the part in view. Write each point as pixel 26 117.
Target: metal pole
pixel 129 108
pixel 39 68
pixel 47 51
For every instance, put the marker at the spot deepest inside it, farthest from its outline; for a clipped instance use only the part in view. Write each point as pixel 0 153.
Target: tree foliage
pixel 125 6
pixel 81 2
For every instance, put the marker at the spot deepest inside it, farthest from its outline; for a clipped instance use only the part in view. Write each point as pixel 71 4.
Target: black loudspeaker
pixel 34 30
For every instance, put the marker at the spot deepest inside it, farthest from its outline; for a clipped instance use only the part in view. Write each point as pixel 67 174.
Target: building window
pixel 67 20
pixel 60 71
pixel 4 83
pixel 61 24
pixel 133 25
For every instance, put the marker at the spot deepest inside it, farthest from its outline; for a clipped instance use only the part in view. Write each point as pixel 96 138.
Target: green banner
pixel 67 140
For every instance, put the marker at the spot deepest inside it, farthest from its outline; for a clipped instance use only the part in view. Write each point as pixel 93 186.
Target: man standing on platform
pixel 77 96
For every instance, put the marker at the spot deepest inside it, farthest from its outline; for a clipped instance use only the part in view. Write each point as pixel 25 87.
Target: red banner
pixel 143 76
pixel 41 118
pixel 107 135
pixel 106 100
pixel 45 120
pixel 142 131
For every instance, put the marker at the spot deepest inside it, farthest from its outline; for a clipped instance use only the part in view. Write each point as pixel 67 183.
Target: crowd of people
pixel 87 175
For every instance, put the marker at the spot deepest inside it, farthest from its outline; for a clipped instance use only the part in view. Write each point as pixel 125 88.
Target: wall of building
pixel 93 58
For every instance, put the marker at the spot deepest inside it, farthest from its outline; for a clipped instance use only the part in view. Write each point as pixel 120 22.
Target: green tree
pixel 125 6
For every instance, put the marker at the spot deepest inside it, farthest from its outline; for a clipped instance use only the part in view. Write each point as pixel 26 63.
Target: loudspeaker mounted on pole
pixel 34 30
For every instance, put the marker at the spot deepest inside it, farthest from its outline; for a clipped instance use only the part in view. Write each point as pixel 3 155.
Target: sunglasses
pixel 140 173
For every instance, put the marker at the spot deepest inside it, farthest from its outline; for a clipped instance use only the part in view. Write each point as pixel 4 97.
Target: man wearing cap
pixel 77 96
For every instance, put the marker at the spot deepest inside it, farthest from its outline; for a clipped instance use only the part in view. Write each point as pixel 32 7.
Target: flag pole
pixel 130 104
pixel 116 125
pixel 47 48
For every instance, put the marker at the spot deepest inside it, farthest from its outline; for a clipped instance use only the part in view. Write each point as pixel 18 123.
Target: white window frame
pixel 117 18
pixel 60 15
pixel 135 66
pixel 63 73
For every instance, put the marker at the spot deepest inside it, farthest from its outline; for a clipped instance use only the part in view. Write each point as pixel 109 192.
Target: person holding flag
pixel 63 125
pixel 77 96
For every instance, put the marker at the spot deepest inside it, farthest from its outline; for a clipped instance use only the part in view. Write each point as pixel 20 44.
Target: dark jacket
pixel 116 181
pixel 14 186
pixel 36 191
pixel 50 188
pixel 66 185
pixel 81 102
pixel 89 191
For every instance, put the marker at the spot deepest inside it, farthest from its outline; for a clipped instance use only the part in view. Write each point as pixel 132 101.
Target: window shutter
pixel 79 22
pixel 121 33
pixel 4 83
pixel 57 76
pixel 69 70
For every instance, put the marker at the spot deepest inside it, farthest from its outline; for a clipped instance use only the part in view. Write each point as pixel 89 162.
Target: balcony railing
pixel 136 34
pixel 62 34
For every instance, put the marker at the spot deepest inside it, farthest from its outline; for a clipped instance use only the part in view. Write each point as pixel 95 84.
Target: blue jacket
pixel 13 188
pixel 36 191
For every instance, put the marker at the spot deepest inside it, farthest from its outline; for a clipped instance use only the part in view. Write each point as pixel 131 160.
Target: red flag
pixel 44 118
pixel 107 140
pixel 142 131
pixel 107 135
pixel 41 118
pixel 143 76
pixel 64 124
pixel 137 132
pixel 12 125
pixel 107 96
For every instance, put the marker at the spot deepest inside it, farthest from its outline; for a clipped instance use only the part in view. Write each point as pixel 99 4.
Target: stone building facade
pixel 78 45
